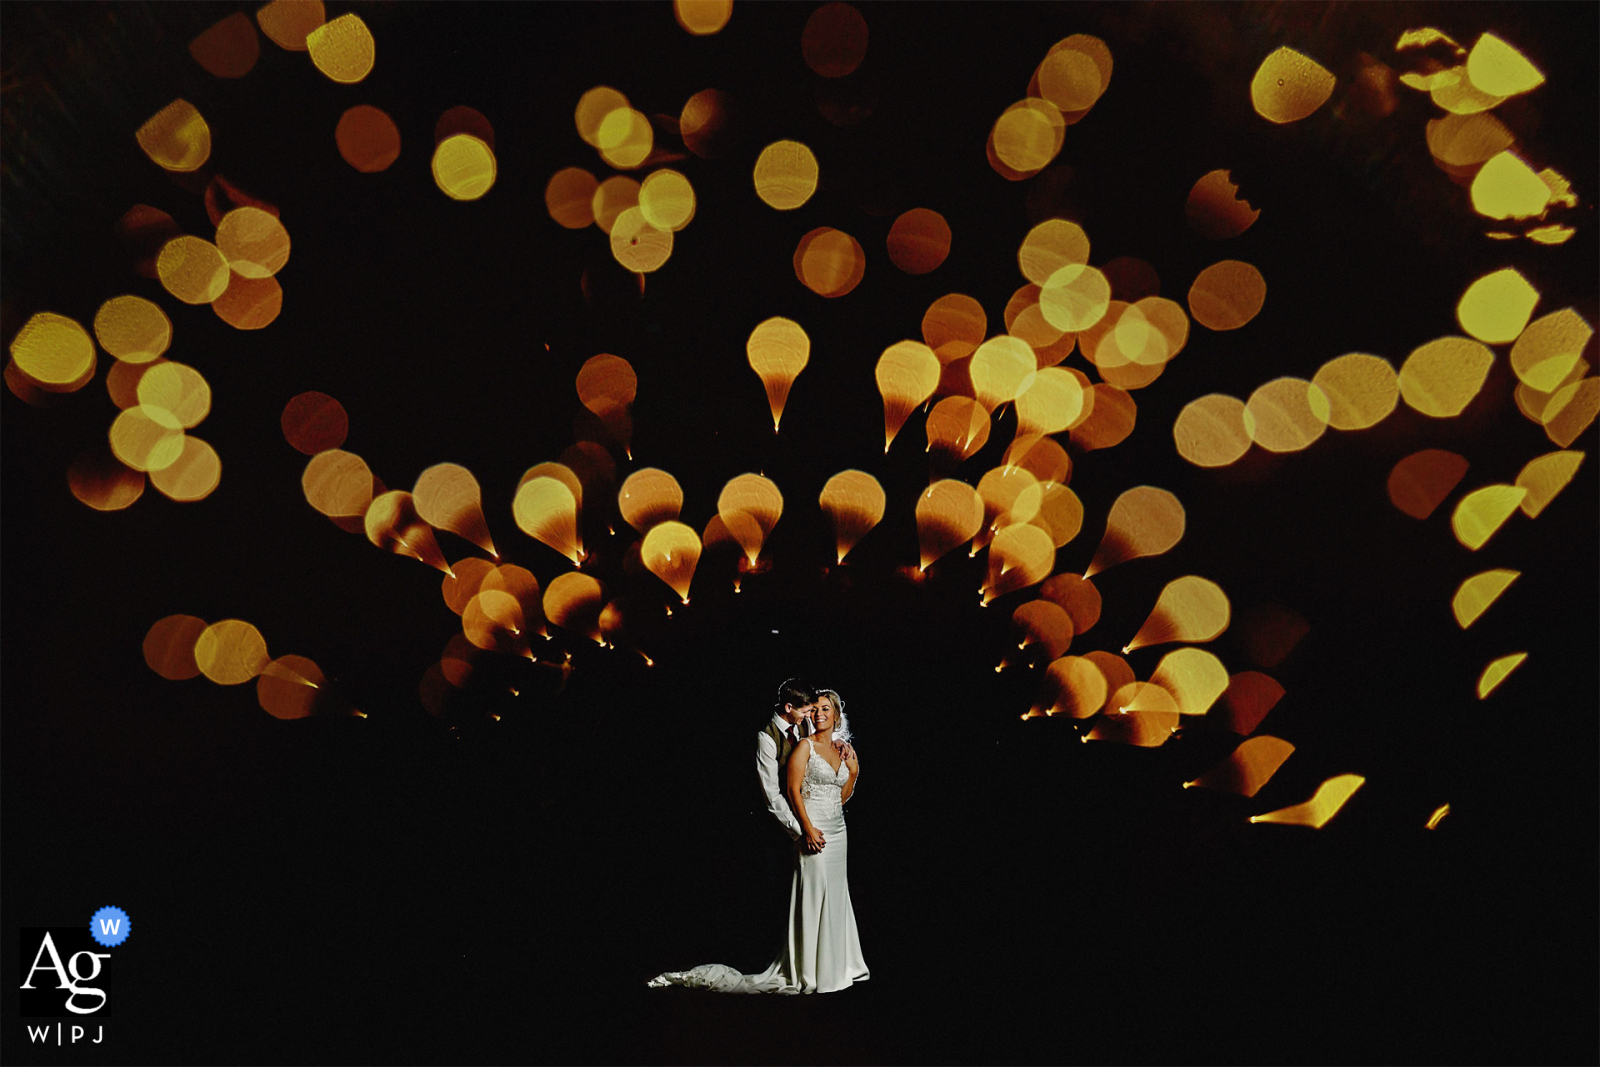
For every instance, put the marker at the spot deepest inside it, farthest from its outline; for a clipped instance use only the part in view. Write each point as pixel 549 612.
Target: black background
pixel 395 889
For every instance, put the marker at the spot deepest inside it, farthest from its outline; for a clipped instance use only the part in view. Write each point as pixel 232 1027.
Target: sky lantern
pixel 546 511
pixel 494 622
pixel 1190 608
pixel 1019 556
pixel 907 374
pixel 392 523
pixel 1144 521
pixel 574 601
pixel 1247 767
pixel 1073 686
pixel 747 499
pixel 1042 623
pixel 649 496
pixel 1324 804
pixel 670 552
pixel 448 498
pixel 1194 677
pixel 854 503
pixel 524 588
pixel 778 350
pixel 949 514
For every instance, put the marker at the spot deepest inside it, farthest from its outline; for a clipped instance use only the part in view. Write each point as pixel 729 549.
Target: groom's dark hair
pixel 795 692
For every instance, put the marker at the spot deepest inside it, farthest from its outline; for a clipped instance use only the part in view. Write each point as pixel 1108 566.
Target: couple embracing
pixel 807 769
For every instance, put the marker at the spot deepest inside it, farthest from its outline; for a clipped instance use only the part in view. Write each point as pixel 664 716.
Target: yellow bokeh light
pixel 957 426
pixel 343 49
pixel 249 303
pixel 1194 677
pixel 176 138
pixel 1143 521
pixel 1468 141
pixel 1545 353
pixel 949 514
pixel 1002 369
pixel 522 585
pixel 1110 419
pixel 702 17
pixel 569 197
pixel 146 438
pixel 854 503
pixel 1497 68
pixel 637 245
pixel 132 328
pixel 919 241
pixel 1190 608
pixel 1441 377
pixel 1545 476
pixel 253 241
pixel 1496 672
pixel 1043 456
pixel 1571 410
pixel 1496 307
pixel 55 352
pixel 1248 767
pixel 229 48
pixel 287 22
pixel 1010 495
pixel 546 510
pixel 611 198
pixel 231 652
pixel 103 482
pixel 649 496
pixel 1027 135
pixel 466 577
pixel 290 687
pixel 367 138
pixel 954 326
pixel 1073 685
pixel 1070 79
pixel 1051 404
pixel 1215 209
pixel 1454 91
pixel 493 621
pixel 1438 816
pixel 1060 513
pixel 1043 624
pixel 829 262
pixel 392 524
pixel 1551 235
pixel 1075 298
pixel 1288 86
pixel 1419 483
pixel 1286 414
pixel 907 374
pixel 667 200
pixel 1533 403
pixel 193 270
pixel 561 473
pixel 1250 696
pixel 625 138
pixel 178 389
pixel 1324 804
pixel 593 108
pixel 1137 713
pixel 447 497
pixel 463 167
pixel 834 41
pixel 1483 511
pixel 574 601
pixel 1360 390
pixel 193 475
pixel 169 647
pixel 785 175
pixel 314 422
pixel 670 552
pixel 338 484
pixel 1226 295
pixel 705 119
pixel 1475 594
pixel 1019 556
pixel 778 350
pixel 1050 246
pixel 1211 431
pixel 1507 188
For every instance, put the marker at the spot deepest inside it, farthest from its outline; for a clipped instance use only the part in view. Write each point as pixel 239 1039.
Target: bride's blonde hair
pixel 841 729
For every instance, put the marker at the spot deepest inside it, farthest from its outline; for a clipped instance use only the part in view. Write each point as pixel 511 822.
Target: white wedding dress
pixel 821 951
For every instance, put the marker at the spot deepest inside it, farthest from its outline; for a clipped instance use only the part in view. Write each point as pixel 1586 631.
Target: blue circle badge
pixel 110 926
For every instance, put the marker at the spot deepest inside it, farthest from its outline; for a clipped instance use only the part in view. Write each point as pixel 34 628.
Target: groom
pixel 791 720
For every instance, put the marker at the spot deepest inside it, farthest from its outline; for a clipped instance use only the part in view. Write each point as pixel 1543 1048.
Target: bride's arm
pixel 811 838
pixel 850 782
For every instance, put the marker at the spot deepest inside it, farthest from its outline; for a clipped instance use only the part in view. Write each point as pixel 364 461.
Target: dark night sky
pixel 392 889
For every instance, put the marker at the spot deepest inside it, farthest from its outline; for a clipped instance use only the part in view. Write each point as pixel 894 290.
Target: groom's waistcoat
pixel 785 746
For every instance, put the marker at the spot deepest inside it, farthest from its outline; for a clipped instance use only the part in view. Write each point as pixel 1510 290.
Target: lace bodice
pixel 822 785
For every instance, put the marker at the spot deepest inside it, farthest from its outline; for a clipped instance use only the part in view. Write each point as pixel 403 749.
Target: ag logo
pixel 62 965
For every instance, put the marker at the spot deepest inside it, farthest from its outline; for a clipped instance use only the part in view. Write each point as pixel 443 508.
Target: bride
pixel 821 951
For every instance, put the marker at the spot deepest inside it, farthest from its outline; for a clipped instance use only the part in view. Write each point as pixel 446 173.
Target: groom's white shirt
pixel 769 772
